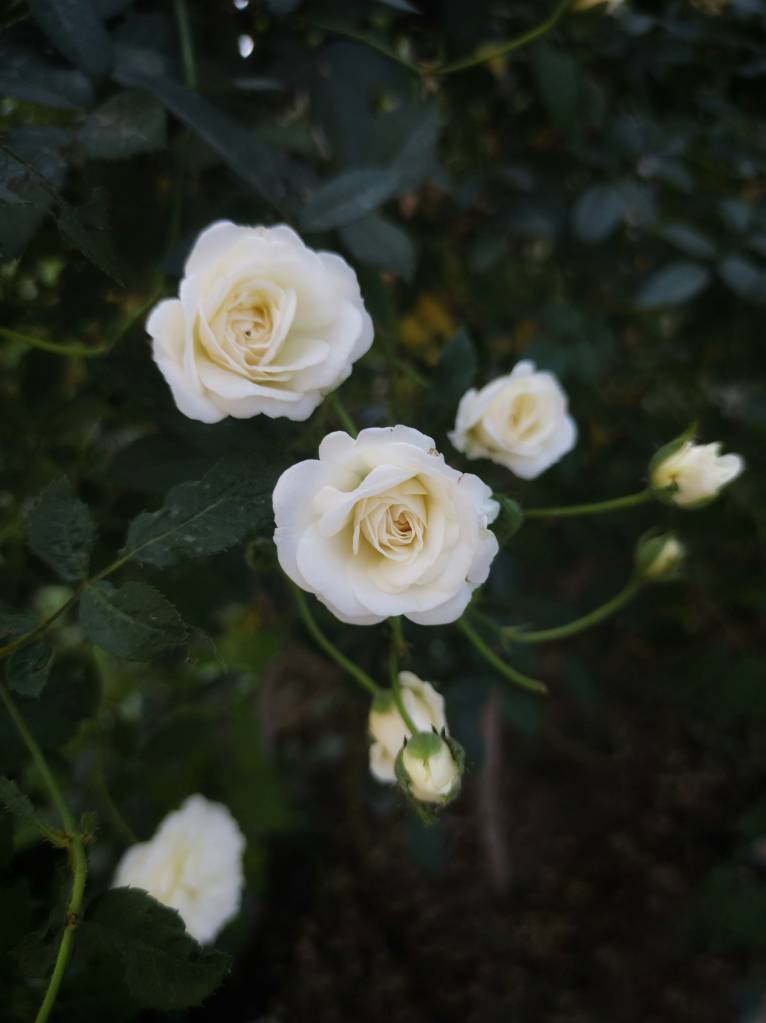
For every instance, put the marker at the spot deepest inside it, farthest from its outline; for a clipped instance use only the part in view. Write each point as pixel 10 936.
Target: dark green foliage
pixel 133 621
pixel 199 519
pixel 60 530
pixel 592 201
pixel 162 967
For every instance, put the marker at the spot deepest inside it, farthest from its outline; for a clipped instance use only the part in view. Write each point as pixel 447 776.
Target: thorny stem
pixel 504 669
pixel 77 858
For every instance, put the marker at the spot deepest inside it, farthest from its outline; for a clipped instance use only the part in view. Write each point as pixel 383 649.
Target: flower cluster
pixel 379 525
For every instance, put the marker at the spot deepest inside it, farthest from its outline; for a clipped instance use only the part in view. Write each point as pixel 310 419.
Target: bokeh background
pixel 594 200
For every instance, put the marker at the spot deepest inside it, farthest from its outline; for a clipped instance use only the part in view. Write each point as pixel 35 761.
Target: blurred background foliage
pixel 595 201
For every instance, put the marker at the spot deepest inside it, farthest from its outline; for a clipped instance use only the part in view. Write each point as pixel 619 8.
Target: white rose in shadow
pixel 192 864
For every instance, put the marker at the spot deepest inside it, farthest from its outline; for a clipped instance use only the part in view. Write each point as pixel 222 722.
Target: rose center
pixel 393 526
pixel 523 416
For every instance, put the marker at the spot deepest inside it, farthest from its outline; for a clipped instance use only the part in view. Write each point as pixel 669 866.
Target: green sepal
pixel 665 494
pixel 510 520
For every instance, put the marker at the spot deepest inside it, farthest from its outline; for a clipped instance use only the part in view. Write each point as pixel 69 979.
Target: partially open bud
pixel 690 475
pixel 659 557
pixel 429 768
pixel 387 729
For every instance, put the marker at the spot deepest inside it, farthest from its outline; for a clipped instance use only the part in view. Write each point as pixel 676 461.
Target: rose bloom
pixel 263 324
pixel 696 472
pixel 430 772
pixel 519 421
pixel 192 864
pixel 382 526
pixel 387 729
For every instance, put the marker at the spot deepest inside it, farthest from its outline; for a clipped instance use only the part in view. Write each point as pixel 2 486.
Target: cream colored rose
pixel 694 473
pixel 382 526
pixel 263 324
pixel 387 729
pixel 192 864
pixel 519 421
pixel 428 769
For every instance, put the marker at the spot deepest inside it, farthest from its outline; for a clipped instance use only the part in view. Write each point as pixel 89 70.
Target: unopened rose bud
pixel 659 557
pixel 690 475
pixel 430 767
pixel 387 729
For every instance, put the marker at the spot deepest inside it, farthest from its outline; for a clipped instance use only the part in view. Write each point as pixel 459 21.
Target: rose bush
pixel 380 525
pixel 263 324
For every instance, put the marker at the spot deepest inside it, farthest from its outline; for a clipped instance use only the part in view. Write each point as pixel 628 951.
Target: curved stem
pixel 506 670
pixel 488 53
pixel 596 508
pixel 78 860
pixel 342 415
pixel 579 624
pixel 359 37
pixel 393 671
pixel 357 673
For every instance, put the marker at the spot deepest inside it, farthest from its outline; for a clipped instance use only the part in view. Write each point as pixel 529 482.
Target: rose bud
pixel 429 768
pixel 659 557
pixel 690 475
pixel 387 728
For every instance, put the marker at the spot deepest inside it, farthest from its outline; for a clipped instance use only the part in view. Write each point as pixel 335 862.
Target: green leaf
pixel 129 123
pixel 688 240
pixel 14 802
pixel 348 197
pixel 198 519
pixel 133 621
pixel 380 243
pixel 86 228
pixel 28 668
pixel 453 375
pixel 28 184
pixel 60 530
pixel 26 77
pixel 258 164
pixel 598 212
pixel 14 623
pixel 558 81
pixel 75 29
pixel 673 285
pixel 164 969
pixel 744 277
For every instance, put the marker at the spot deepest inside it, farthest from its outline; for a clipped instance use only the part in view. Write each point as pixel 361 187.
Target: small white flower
pixel 263 324
pixel 192 864
pixel 387 729
pixel 519 421
pixel 428 770
pixel 694 474
pixel 380 526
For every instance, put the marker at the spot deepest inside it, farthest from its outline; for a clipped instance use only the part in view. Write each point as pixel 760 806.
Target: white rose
pixel 192 864
pixel 428 769
pixel 381 526
pixel 519 421
pixel 694 473
pixel 387 729
pixel 262 324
